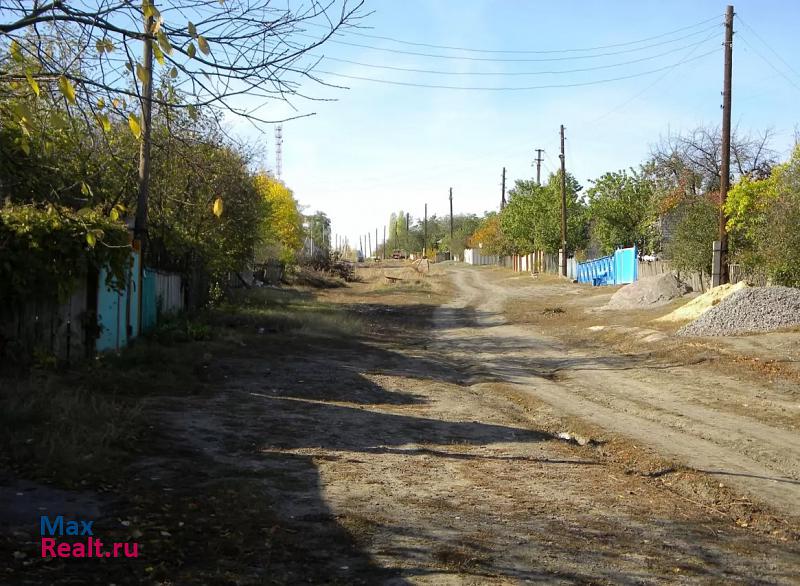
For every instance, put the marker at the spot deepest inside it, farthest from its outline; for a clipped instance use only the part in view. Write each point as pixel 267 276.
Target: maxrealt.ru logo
pixel 87 546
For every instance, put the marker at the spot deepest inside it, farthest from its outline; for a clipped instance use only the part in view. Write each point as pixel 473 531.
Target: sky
pixel 377 148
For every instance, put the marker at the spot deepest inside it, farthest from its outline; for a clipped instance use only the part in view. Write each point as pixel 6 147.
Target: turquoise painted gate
pixel 118 310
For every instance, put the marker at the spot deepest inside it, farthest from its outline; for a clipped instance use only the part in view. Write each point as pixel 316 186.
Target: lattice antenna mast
pixel 279 150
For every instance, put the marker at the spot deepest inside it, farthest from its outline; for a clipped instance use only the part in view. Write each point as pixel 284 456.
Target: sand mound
pixel 649 292
pixel 749 310
pixel 699 305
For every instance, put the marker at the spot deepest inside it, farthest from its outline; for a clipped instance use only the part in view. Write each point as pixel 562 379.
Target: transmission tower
pixel 279 150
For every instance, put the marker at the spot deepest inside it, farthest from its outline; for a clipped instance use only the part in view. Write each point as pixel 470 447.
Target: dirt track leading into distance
pixel 672 407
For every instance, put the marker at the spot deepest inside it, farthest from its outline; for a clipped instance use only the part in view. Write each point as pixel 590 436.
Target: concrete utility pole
pixel 425 234
pixel 503 194
pixel 539 166
pixel 369 243
pixel 451 224
pixel 384 242
pixel 563 208
pixel 721 259
pixel 377 242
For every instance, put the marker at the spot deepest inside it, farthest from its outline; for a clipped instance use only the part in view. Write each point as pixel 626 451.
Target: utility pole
pixel 369 243
pixel 725 170
pixel 408 223
pixel 539 166
pixel 360 245
pixel 384 242
pixel 140 220
pixel 425 234
pixel 563 208
pixel 377 242
pixel 503 194
pixel 451 224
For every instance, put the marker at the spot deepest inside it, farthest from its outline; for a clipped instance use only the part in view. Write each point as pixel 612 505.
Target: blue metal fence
pixel 616 269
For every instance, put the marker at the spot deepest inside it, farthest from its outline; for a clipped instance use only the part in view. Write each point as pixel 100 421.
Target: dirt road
pixel 672 407
pixel 404 433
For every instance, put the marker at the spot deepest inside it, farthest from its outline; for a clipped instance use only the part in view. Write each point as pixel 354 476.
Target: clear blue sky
pixel 379 148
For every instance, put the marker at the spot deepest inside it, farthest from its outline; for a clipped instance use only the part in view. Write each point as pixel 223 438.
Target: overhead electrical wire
pixel 513 73
pixel 767 45
pixel 518 60
pixel 773 51
pixel 521 51
pixel 513 88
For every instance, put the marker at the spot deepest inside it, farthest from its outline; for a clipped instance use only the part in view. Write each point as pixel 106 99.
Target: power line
pixel 513 73
pixel 513 88
pixel 767 45
pixel 765 59
pixel 647 87
pixel 517 51
pixel 516 60
pixel 768 62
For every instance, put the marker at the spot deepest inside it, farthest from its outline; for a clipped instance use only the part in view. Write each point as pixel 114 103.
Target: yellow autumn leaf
pixel 142 74
pixel 32 82
pixel 16 53
pixel 217 209
pixel 91 239
pixel 158 55
pixel 67 89
pixel 135 126
pixel 190 50
pixel 104 122
pixel 163 42
pixel 192 29
pixel 203 44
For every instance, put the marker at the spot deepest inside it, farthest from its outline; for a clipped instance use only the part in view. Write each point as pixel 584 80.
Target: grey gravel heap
pixel 756 309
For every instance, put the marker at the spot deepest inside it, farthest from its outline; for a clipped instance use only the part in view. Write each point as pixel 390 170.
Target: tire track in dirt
pixel 622 395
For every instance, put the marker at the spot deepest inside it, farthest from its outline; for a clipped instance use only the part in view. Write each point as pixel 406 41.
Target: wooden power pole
pixel 563 208
pixel 539 166
pixel 725 170
pixel 451 224
pixel 425 234
pixel 503 193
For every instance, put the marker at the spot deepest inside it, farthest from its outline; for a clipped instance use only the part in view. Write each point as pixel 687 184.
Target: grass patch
pixel 86 422
pixel 55 432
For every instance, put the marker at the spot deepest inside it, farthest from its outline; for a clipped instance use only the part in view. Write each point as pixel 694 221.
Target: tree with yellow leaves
pixel 283 232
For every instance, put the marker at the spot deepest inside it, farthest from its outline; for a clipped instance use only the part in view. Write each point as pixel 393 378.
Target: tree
pixel 763 218
pixel 101 59
pixel 319 231
pixel 534 221
pixel 284 228
pixel 622 211
pixel 489 237
pixel 689 163
pixel 691 247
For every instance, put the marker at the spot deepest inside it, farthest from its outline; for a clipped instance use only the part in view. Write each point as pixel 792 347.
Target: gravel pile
pixel 755 309
pixel 649 292
pixel 699 305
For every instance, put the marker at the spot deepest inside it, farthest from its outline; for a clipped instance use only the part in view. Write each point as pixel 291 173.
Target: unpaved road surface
pixel 674 408
pixel 428 447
